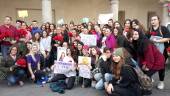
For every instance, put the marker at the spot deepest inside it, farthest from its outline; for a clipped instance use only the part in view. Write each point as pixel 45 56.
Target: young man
pixel 8 35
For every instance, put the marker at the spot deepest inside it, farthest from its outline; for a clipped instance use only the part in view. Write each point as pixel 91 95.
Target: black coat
pixel 128 85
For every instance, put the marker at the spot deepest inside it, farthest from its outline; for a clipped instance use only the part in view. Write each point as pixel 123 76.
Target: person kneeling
pixel 33 61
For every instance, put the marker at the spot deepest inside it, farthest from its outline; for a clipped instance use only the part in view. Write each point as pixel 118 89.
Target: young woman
pixel 98 33
pixel 70 74
pixel 57 40
pixel 164 34
pixel 94 54
pixel 118 25
pixel 110 39
pixel 111 24
pixel 105 75
pixel 73 35
pixel 47 27
pixel 137 25
pixel 24 37
pixel 127 28
pixel 52 28
pixel 29 47
pixel 122 40
pixel 125 81
pixel 45 47
pixel 36 39
pixel 28 35
pixel 103 39
pixel 33 61
pixel 43 27
pixel 150 58
pixel 85 82
pixel 10 70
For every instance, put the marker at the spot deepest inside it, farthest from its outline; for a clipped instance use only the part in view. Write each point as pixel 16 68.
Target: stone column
pixel 165 14
pixel 46 11
pixel 115 9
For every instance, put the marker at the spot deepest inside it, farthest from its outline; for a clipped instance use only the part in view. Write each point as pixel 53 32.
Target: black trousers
pixel 85 81
pixel 70 82
pixel 161 72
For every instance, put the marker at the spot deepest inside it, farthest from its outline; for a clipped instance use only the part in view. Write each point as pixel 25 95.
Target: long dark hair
pixel 120 31
pixel 141 27
pixel 141 44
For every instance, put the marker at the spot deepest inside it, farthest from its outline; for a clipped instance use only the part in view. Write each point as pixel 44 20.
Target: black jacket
pixel 128 85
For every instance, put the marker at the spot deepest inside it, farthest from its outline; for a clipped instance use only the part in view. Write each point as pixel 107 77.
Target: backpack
pixel 144 80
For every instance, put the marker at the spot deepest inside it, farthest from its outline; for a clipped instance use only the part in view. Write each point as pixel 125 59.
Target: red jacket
pixel 153 58
pixel 11 32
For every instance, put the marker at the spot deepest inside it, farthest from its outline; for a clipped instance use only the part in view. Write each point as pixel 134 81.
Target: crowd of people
pixel 29 52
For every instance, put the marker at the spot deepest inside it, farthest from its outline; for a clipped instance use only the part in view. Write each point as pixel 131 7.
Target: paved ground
pixel 34 90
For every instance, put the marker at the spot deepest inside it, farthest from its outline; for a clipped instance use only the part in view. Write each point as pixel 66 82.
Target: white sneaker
pixel 161 85
pixel 152 80
pixel 93 84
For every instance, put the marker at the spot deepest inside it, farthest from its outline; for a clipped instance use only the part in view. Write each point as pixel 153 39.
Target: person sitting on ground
pixel 125 81
pixel 105 75
pixel 68 75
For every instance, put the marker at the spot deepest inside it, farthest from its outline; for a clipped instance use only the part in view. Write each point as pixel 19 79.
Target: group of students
pixel 30 52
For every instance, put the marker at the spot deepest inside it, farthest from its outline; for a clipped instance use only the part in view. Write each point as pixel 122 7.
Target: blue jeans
pixel 98 77
pixel 13 78
pixel 5 50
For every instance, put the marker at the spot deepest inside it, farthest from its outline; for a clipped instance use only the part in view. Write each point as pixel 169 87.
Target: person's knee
pixel 99 85
pixel 97 76
pixel 11 79
pixel 108 77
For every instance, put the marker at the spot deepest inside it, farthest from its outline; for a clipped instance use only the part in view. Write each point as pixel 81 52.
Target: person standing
pixel 8 35
pixel 163 33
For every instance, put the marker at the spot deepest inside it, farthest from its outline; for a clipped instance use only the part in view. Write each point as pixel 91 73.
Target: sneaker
pixel 93 84
pixel 161 85
pixel 21 83
pixel 153 80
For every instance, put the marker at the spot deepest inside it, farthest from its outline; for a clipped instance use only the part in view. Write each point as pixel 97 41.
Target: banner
pixel 84 71
pixel 103 18
pixel 61 53
pixel 90 40
pixel 62 67
pixel 22 13
pixel 84 66
pixel 60 21
pixel 85 20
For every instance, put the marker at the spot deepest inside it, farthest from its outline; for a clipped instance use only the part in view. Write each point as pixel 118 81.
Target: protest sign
pixel 84 66
pixel 103 18
pixel 61 53
pixel 90 40
pixel 84 71
pixel 62 67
